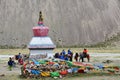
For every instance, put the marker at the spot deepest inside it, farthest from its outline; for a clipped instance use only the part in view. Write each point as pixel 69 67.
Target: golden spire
pixel 40 16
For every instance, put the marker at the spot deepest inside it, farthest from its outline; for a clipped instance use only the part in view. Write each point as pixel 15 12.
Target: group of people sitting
pixel 69 55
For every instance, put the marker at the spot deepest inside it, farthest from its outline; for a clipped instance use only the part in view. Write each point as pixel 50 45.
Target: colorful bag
pixel 62 62
pixel 45 74
pixel 69 70
pixel 69 63
pixel 63 72
pixel 35 72
pixel 75 70
pixel 54 74
pixel 51 63
pixel 80 70
pixel 42 62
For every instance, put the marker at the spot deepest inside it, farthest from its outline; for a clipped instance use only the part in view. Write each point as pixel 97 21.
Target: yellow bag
pixel 62 62
pixel 45 74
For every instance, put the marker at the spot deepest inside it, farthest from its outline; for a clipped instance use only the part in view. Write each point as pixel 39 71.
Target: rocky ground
pixel 105 58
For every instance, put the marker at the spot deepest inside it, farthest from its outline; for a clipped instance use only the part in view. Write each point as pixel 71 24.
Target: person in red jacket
pixel 84 55
pixel 85 51
pixel 20 61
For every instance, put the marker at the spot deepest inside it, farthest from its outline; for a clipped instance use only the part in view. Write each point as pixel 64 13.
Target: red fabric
pixel 21 61
pixel 51 63
pixel 63 72
pixel 116 68
pixel 80 71
pixel 24 66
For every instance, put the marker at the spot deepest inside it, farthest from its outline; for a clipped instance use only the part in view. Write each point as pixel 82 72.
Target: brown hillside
pixel 71 22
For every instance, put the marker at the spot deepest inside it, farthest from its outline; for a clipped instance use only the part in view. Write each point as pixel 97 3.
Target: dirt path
pixel 4 69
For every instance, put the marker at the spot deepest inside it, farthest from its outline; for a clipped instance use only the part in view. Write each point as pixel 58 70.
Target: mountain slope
pixel 71 22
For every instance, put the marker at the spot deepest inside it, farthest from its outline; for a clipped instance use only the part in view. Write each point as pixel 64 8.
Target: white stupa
pixel 41 45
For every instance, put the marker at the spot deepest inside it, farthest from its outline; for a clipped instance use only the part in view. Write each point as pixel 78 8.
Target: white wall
pixel 40 54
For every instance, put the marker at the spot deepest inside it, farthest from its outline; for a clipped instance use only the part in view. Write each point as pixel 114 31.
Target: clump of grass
pixel 108 42
pixel 23 46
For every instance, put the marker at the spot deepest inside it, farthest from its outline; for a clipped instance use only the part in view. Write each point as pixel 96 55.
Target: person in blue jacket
pixel 66 58
pixel 63 52
pixel 69 51
pixel 10 63
pixel 61 56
